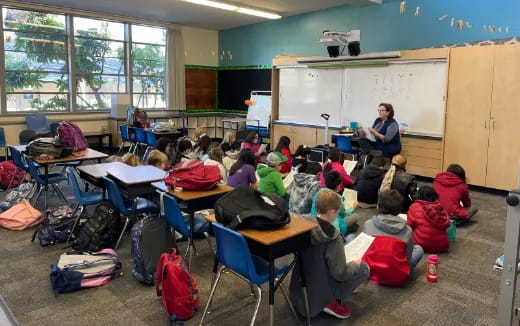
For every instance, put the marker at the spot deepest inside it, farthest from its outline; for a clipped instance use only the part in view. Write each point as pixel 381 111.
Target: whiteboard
pixel 415 89
pixel 260 110
pixel 306 93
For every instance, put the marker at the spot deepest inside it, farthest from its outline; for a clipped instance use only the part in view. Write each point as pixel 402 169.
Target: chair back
pixel 114 195
pixel 139 135
pixel 16 156
pixel 151 139
pixel 78 194
pixel 343 143
pixel 173 215
pixel 2 138
pixel 38 122
pixel 233 252
pixel 33 170
pixel 125 136
pixel 26 136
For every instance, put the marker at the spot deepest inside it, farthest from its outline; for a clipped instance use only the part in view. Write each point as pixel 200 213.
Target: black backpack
pixel 38 147
pixel 101 229
pixel 244 207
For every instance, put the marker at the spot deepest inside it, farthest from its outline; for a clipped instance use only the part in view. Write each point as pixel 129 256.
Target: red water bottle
pixel 432 268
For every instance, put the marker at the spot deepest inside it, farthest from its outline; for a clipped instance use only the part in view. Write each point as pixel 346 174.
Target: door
pixel 468 110
pixel 504 145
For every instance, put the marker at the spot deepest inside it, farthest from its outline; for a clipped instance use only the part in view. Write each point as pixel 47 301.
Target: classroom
pixel 234 162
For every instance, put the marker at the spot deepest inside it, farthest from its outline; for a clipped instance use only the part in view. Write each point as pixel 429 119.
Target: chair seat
pixel 200 226
pixel 90 198
pixel 143 206
pixel 262 270
pixel 54 177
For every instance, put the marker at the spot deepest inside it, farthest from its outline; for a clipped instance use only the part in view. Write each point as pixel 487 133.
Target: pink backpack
pixel 71 135
pixel 193 175
pixel 9 173
pixel 20 217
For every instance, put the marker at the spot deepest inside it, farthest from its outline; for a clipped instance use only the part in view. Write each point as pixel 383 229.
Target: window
pixel 100 59
pixel 148 66
pixel 35 61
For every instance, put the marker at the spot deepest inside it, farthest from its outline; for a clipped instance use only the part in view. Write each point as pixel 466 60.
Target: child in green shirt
pixel 270 177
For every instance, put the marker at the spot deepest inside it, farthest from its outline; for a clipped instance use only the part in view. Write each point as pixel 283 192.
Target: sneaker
pixel 337 310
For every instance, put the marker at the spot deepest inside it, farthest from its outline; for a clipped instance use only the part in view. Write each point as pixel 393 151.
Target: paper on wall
pixel 356 249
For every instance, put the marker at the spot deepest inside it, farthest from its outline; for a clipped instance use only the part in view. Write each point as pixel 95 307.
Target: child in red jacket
pixel 336 164
pixel 429 221
pixel 283 148
pixel 454 193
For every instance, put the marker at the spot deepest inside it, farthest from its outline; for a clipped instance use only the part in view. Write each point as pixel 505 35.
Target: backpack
pixel 57 226
pixel 38 147
pixel 387 260
pixel 177 287
pixel 78 269
pixel 20 217
pixel 244 207
pixel 101 229
pixel 10 173
pixel 151 237
pixel 193 175
pixel 15 196
pixel 71 135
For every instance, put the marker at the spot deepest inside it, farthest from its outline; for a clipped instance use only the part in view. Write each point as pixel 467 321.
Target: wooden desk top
pixel 187 195
pixel 136 174
pixel 169 132
pixel 297 226
pixel 98 171
pixel 87 154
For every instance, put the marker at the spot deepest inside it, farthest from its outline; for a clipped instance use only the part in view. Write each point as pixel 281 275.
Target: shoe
pixel 337 310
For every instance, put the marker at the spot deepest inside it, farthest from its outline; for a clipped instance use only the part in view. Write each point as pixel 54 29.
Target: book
pixel 349 166
pixel 350 196
pixel 356 249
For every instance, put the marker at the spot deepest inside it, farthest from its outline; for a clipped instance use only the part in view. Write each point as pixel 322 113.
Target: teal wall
pixel 382 27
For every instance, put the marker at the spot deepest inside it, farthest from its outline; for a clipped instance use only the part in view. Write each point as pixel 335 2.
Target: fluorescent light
pixel 229 7
pixel 258 13
pixel 214 4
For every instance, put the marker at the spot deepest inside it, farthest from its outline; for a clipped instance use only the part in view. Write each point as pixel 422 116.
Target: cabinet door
pixel 303 136
pixel 468 110
pixel 504 146
pixel 278 131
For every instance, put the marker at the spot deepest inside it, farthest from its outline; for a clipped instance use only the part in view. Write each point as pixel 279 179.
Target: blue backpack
pixel 151 237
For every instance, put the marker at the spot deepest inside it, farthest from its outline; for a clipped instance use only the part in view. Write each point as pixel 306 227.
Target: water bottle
pixel 432 268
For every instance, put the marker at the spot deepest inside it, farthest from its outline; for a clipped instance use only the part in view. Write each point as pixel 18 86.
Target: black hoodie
pixel 368 182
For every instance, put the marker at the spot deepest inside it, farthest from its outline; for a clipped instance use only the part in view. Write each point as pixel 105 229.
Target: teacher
pixel 386 131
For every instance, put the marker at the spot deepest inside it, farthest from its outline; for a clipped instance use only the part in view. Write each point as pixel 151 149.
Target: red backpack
pixel 9 171
pixel 71 135
pixel 177 287
pixel 387 260
pixel 193 175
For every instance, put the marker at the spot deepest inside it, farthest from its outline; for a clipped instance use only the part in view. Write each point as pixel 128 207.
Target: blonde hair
pixel 131 159
pixel 113 158
pixel 157 157
pixel 199 132
pixel 397 161
pixel 228 136
pixel 327 200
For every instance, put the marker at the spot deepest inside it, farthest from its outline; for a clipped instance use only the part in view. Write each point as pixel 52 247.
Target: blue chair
pixel 2 142
pixel 16 156
pixel 171 212
pixel 150 140
pixel 127 207
pixel 140 139
pixel 125 138
pixel 83 198
pixel 233 254
pixel 53 179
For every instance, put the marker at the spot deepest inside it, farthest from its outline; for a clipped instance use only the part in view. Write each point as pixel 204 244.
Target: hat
pixel 275 158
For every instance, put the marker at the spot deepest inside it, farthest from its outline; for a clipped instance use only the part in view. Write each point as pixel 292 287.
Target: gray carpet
pixel 466 294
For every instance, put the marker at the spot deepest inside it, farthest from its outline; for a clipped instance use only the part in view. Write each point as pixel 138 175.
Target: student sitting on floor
pixel 201 149
pixel 387 223
pixel 368 182
pixel 333 182
pixel 131 159
pixel 283 147
pixel 397 179
pixel 229 145
pixel 164 144
pixel 251 142
pixel 302 154
pixel 330 279
pixel 335 164
pixel 199 132
pixel 270 176
pixel 429 221
pixel 454 193
pixel 242 173
pixel 183 151
pixel 158 159
pixel 113 158
pixel 215 158
pixel 303 188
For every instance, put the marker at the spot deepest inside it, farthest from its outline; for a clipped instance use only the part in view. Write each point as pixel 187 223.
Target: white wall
pixel 200 46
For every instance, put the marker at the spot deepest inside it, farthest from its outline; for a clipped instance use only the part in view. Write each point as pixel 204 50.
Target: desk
pixel 100 135
pixel 172 134
pixel 94 173
pixel 272 244
pixel 194 201
pixel 135 181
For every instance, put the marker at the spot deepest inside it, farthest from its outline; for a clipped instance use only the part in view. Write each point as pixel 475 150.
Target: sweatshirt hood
pixel 389 223
pixel 264 170
pixel 448 179
pixel 304 180
pixel 325 232
pixel 373 172
pixel 434 212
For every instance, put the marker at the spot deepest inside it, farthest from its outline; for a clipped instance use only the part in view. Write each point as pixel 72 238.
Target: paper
pixel 263 148
pixel 350 196
pixel 356 249
pixel 369 135
pixel 349 166
pixel 288 179
pixel 403 216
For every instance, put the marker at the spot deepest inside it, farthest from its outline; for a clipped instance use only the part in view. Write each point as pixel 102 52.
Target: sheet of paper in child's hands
pixel 355 249
pixel 349 166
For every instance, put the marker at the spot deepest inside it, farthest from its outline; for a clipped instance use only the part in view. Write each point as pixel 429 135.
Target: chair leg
pixel 208 239
pixel 286 296
pixel 75 222
pixel 122 232
pixel 307 308
pixel 60 193
pixel 258 300
pixel 211 294
pixel 37 196
pixel 146 151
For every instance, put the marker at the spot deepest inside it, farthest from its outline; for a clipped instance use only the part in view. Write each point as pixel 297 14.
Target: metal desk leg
pixel 189 250
pixel 46 167
pixel 271 289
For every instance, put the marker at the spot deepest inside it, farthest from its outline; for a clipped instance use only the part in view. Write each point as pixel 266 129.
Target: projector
pixel 334 39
